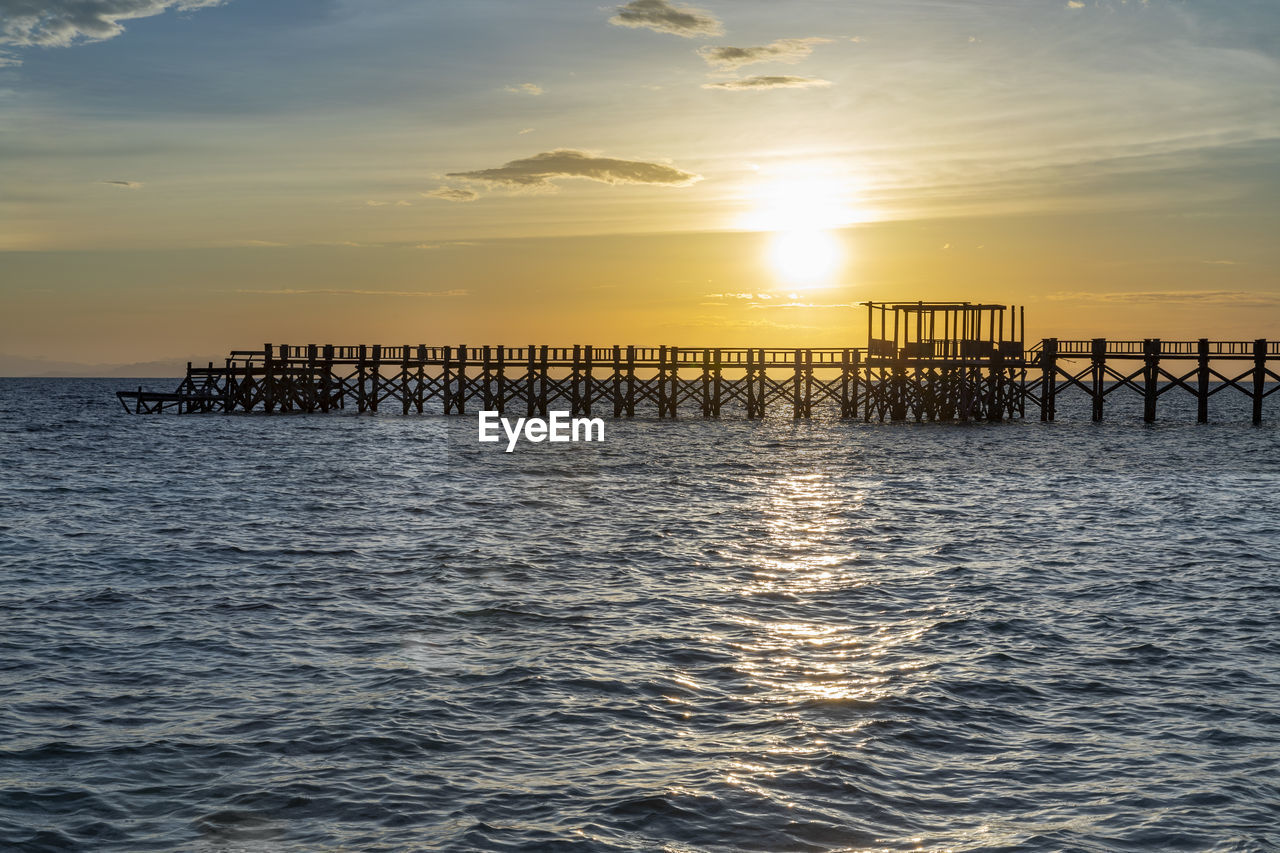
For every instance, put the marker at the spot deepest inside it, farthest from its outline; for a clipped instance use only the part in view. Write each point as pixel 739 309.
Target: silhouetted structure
pixel 924 361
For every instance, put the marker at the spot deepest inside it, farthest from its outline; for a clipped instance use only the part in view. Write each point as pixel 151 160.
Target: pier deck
pixel 924 361
pixel 623 381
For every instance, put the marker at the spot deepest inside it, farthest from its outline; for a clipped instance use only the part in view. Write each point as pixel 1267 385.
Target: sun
pixel 805 257
pixel 803 206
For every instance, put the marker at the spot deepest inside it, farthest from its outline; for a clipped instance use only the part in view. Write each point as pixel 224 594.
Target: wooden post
pixel 282 379
pixel 1202 384
pixel 718 367
pixel 575 377
pixel 486 378
pixel 446 379
pixel 531 382
pixel 588 362
pixel 797 407
pixel 706 383
pixel 631 381
pixel 460 398
pixel 1099 361
pixel 229 389
pixel 751 383
pixel 662 381
pixel 1048 379
pixel 326 377
pixel 844 384
pixel 544 379
pixel 855 357
pixel 1151 378
pixel 309 399
pixel 405 393
pixel 898 410
pixel 1259 376
pixel 268 382
pixel 375 377
pixel 995 388
pixel 362 398
pixel 673 399
pixel 761 376
pixel 420 390
pixel 500 381
pixel 618 403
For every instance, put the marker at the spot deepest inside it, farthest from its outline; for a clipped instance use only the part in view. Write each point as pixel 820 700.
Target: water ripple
pixel 369 633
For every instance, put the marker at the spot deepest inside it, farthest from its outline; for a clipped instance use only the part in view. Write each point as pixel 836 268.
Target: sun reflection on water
pixel 800 654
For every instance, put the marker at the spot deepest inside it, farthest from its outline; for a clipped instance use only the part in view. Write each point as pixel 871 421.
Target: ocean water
pixel 359 633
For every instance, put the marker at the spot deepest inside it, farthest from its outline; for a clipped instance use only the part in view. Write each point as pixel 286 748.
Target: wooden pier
pixel 938 361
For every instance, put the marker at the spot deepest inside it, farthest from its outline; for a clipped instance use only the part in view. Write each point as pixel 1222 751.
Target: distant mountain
pixel 17 365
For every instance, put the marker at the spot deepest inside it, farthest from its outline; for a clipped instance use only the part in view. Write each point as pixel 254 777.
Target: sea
pixel 374 633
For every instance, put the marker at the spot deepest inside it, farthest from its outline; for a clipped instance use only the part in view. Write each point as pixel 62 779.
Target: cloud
pixel 540 170
pixel 524 89
pixel 782 50
pixel 524 130
pixel 452 194
pixel 770 82
pixel 1074 4
pixel 1239 298
pixel 660 16
pixel 128 185
pixel 797 304
pixel 59 23
pixel 288 291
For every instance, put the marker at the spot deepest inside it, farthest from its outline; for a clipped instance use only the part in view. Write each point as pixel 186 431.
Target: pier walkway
pixel 939 361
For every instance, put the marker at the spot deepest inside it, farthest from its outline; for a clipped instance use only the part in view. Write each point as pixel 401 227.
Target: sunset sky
pixel 178 179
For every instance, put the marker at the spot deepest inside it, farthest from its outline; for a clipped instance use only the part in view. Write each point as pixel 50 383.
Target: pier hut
pixel 944 361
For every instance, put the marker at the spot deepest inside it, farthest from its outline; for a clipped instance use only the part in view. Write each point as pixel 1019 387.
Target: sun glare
pixel 805 258
pixel 803 206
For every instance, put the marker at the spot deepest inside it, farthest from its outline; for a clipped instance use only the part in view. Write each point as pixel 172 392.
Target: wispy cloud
pixel 540 170
pixel 59 23
pixel 128 185
pixel 796 304
pixel 782 50
pixel 452 194
pixel 524 89
pixel 325 291
pixel 770 82
pixel 448 244
pixel 663 17
pixel 1239 298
